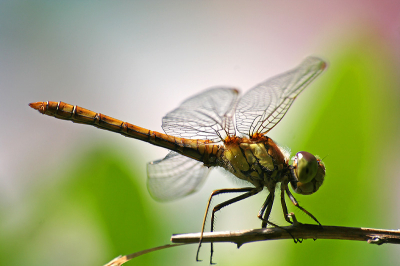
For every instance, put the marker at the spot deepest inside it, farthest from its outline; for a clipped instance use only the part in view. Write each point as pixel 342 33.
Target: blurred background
pixel 75 195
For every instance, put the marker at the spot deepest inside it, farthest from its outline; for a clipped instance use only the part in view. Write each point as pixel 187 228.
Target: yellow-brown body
pixel 257 160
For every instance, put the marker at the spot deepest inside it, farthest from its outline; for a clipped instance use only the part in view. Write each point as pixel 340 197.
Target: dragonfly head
pixel 308 173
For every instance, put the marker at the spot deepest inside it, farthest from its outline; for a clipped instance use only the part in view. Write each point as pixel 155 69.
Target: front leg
pixel 283 203
pixel 294 201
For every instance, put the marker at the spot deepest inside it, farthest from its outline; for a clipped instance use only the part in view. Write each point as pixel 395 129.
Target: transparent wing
pixel 208 115
pixel 175 176
pixel 261 108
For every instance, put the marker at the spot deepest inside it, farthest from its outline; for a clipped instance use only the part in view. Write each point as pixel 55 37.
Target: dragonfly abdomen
pixel 201 150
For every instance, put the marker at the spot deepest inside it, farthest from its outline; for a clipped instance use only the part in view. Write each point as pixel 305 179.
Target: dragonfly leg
pixel 283 203
pixel 294 201
pixel 249 191
pixel 266 211
pixel 267 205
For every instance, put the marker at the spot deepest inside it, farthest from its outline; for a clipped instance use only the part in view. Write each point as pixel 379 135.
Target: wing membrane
pixel 261 108
pixel 175 176
pixel 208 115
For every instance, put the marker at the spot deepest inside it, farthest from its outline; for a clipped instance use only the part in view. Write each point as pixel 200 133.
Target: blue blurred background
pixel 75 195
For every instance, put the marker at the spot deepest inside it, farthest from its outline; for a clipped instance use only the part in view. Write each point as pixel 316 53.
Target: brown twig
pixel 298 230
pixel 122 259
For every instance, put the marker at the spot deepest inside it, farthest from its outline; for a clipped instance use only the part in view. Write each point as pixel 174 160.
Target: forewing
pixel 175 176
pixel 208 115
pixel 261 108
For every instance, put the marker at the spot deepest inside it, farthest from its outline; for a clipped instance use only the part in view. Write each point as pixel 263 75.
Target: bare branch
pixel 298 230
pixel 122 259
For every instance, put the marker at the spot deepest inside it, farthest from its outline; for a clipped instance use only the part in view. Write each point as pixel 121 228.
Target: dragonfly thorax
pixel 257 160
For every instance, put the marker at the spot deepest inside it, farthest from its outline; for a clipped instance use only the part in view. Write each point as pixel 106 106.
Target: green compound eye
pixel 309 171
pixel 307 166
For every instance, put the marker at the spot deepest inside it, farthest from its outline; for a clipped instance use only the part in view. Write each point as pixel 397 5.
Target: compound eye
pixel 308 173
pixel 306 166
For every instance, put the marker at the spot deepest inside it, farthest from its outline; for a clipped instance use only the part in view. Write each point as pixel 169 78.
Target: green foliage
pixel 94 213
pixel 352 129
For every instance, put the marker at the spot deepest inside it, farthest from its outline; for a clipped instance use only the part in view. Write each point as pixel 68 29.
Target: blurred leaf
pixel 103 180
pixel 94 214
pixel 352 131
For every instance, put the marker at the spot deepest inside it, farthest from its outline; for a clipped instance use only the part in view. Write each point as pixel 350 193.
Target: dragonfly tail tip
pixel 37 106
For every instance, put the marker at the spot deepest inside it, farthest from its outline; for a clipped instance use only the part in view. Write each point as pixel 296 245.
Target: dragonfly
pixel 216 128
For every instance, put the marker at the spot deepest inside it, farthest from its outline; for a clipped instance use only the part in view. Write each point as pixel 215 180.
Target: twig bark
pixel 298 230
pixel 125 258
